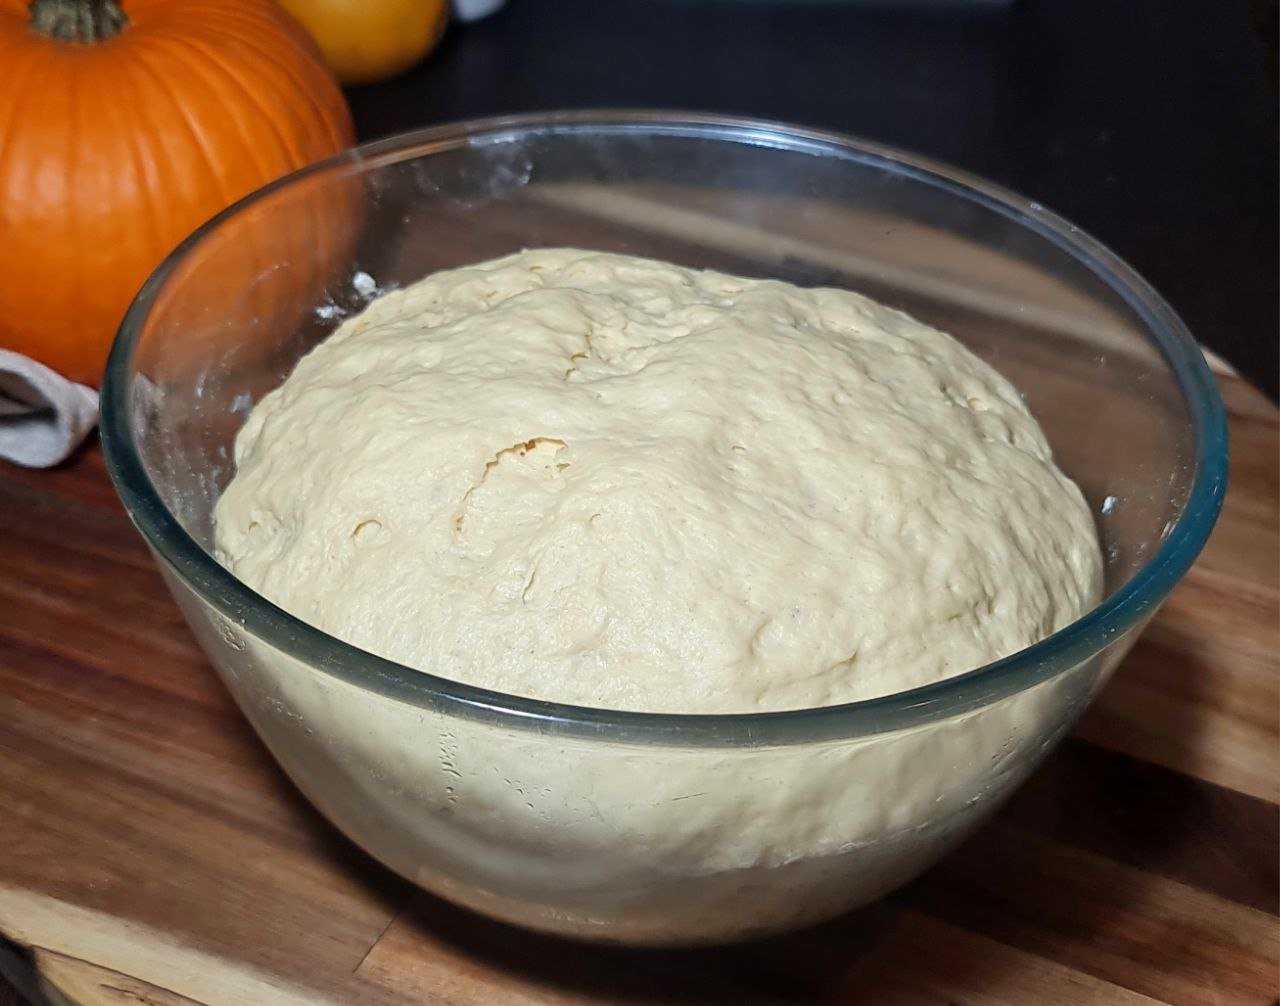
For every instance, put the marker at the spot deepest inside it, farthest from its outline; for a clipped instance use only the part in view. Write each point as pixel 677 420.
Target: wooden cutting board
pixel 150 851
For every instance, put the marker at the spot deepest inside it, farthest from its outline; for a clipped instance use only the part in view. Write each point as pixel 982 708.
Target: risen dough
pixel 615 482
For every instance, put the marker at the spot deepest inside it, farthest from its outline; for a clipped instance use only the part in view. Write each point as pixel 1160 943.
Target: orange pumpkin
pixel 123 127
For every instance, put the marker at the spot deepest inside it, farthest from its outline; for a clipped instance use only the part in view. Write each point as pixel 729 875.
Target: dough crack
pixel 847 664
pixel 517 450
pixel 582 354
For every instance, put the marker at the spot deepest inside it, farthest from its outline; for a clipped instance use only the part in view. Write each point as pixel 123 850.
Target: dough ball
pixel 620 483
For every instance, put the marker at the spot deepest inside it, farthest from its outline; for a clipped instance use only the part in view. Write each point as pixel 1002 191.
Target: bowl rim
pixel 1072 645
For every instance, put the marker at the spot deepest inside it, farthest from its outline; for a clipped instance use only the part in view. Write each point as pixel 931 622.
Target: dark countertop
pixel 1150 124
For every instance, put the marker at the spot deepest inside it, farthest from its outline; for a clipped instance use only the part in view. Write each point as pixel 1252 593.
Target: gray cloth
pixel 43 416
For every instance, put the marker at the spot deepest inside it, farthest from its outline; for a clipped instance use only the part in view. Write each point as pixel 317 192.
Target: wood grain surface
pixel 150 851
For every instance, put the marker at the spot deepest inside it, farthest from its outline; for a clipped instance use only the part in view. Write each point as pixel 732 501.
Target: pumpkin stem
pixel 83 21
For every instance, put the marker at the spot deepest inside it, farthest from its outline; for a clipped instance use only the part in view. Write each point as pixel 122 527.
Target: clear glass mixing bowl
pixel 651 828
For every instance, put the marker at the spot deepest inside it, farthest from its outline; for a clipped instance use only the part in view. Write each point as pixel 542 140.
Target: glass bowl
pixel 627 826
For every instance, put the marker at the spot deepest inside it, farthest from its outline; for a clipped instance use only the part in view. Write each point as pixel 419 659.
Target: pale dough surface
pixel 616 482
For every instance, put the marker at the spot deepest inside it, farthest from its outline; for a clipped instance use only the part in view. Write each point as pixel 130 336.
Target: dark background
pixel 1150 123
